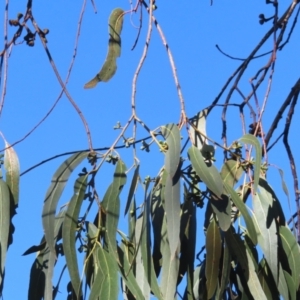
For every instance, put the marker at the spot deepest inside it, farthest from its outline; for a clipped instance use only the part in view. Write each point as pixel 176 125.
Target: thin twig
pixel 73 103
pixel 66 82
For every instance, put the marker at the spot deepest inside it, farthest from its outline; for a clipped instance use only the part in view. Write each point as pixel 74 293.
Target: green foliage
pixel 248 250
pixel 157 263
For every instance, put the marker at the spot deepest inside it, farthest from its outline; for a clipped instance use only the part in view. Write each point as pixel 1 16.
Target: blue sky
pixel 192 30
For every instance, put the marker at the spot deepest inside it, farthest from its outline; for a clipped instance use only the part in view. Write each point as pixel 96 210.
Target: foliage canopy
pixel 249 249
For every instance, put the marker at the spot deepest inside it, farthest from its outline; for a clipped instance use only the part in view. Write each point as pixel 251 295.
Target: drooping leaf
pixel 172 210
pixel 283 184
pixel 158 216
pixel 282 285
pixel 140 264
pixel 132 188
pixel 132 222
pixel 274 202
pixel 111 206
pixel 172 156
pixel 291 249
pixel 105 285
pixel 4 226
pixel 127 273
pixel 12 171
pixel 58 183
pixel 223 210
pixel 69 231
pixel 208 175
pixel 40 283
pixel 114 49
pixel 238 249
pixel 188 245
pixel 213 253
pixel 148 266
pixel 226 265
pixel 199 121
pixel 243 209
pixel 199 288
pixel 231 172
pixel 251 139
pixel 266 281
pixel 267 237
pixel 253 281
pixel 291 285
pixel 170 268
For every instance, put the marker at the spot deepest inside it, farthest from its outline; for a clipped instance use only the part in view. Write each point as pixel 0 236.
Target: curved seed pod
pixel 109 67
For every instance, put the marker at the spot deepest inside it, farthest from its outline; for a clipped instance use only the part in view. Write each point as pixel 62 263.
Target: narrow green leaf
pixel 111 206
pixel 291 285
pixel 158 216
pixel 199 121
pixel 132 222
pixel 172 188
pixel 172 210
pixel 49 257
pixel 266 281
pixel 253 282
pixel 149 272
pixel 238 249
pixel 213 253
pixel 172 157
pixel 4 225
pixel 226 266
pixel 127 273
pixel 196 281
pixel 40 283
pixel 12 171
pixel 283 184
pixel 170 268
pixel 199 289
pixel 208 175
pixel 268 238
pixel 291 250
pixel 282 285
pixel 69 232
pixel 58 183
pixel 140 262
pixel 251 139
pixel 188 229
pixel 105 285
pixel 243 209
pixel 132 188
pixel 231 172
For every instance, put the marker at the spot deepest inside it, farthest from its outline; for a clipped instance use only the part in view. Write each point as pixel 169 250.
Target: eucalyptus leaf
pixel 213 254
pixel 111 206
pixel 208 175
pixel 252 140
pixel 268 238
pixel 291 249
pixel 69 232
pixel 12 171
pixel 243 209
pixel 4 226
pixel 172 156
pixel 58 183
pixel 199 121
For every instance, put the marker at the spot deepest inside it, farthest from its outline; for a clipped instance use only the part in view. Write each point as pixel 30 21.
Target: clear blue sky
pixel 192 29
